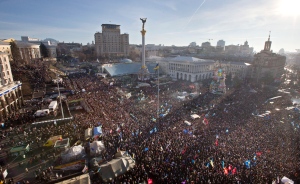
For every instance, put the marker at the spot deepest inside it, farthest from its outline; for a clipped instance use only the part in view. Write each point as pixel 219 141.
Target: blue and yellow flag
pixel 156 67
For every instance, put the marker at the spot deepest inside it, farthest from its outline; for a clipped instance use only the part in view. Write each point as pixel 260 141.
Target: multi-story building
pixel 111 42
pixel 29 51
pixel 239 69
pixel 268 63
pixel 221 43
pixel 232 49
pixel 50 47
pixel 190 68
pixel 11 97
pixel 206 44
pixel 239 50
pixel 5 47
pixel 193 44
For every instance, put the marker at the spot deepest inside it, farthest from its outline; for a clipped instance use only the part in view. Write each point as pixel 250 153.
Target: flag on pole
pixel 156 67
pixel 85 169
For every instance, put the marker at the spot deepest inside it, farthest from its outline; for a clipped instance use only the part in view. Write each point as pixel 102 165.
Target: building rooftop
pixel 188 59
pixel 234 63
pixel 6 89
pixel 127 68
pixel 4 43
pixel 26 44
pixel 110 25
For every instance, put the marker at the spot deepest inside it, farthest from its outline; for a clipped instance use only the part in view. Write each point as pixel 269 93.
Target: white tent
pixel 286 180
pixel 188 123
pixel 96 147
pixel 143 85
pixel 116 167
pixel 195 116
pixel 181 97
pixel 73 153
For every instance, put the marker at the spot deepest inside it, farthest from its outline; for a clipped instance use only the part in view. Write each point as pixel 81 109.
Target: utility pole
pixel 62 111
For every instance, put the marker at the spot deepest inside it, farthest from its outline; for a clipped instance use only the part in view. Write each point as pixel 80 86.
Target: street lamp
pixel 62 111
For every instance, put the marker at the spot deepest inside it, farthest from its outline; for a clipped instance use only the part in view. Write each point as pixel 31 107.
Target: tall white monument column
pixel 143 73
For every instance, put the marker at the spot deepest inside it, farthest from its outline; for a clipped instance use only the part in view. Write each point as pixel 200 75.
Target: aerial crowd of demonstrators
pixel 227 144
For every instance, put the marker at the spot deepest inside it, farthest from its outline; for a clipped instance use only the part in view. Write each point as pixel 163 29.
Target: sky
pixel 169 22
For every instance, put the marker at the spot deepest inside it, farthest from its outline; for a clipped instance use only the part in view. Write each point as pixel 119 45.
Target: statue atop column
pixel 143 73
pixel 144 21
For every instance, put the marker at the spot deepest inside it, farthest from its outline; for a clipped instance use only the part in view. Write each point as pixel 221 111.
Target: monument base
pixel 143 74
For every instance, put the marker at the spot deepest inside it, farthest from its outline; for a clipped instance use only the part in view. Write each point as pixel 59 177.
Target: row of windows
pixel 188 68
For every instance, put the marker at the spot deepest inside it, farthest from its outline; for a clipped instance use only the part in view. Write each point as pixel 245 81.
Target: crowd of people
pixel 233 146
pixel 227 144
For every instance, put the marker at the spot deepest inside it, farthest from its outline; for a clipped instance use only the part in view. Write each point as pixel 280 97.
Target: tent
pixel 195 116
pixel 116 167
pixel 143 85
pixel 97 130
pixel 181 97
pixel 188 123
pixel 88 133
pixel 286 180
pixel 73 153
pixel 96 147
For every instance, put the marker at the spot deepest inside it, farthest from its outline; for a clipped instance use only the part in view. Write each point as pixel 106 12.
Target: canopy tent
pixel 97 130
pixel 181 97
pixel 143 85
pixel 188 123
pixel 116 167
pixel 73 154
pixel 195 116
pixel 286 180
pixel 96 147
pixel 252 91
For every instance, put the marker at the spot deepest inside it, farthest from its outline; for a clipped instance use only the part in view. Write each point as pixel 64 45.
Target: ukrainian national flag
pixel 156 67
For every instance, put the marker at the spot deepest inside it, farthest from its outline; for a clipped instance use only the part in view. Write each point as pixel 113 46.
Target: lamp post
pixel 62 111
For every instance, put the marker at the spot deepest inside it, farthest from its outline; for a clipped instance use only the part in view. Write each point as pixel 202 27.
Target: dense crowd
pixel 233 147
pixel 227 144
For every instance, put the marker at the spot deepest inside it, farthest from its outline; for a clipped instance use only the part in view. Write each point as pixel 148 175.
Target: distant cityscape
pixel 110 46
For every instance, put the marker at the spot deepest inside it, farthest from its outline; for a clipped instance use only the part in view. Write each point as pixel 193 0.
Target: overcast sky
pixel 169 22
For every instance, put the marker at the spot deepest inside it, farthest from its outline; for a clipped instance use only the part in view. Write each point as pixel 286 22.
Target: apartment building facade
pixel 111 42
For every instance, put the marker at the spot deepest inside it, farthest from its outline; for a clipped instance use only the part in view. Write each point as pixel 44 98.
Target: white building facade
pixel 111 42
pixel 11 97
pixel 29 51
pixel 5 48
pixel 190 68
pixel 50 47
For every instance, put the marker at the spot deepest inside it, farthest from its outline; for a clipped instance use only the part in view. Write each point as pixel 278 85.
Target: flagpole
pixel 157 95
